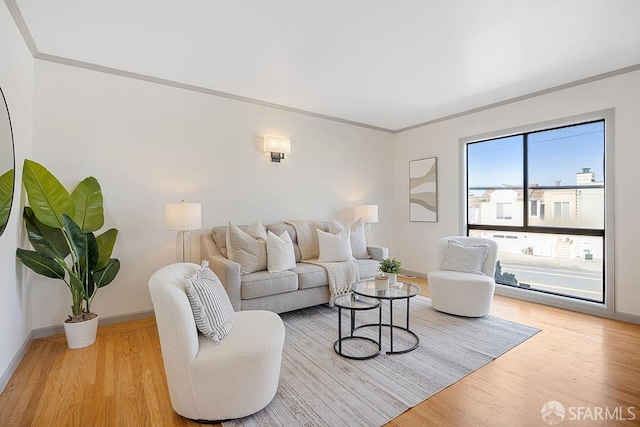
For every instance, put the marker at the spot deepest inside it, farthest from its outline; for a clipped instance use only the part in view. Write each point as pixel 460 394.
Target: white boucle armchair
pixel 463 294
pixel 209 381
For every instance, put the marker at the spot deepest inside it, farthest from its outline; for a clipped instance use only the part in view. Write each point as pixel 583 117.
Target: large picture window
pixel 541 196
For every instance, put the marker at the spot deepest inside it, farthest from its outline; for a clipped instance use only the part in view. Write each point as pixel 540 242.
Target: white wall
pixel 16 80
pixel 149 144
pixel 415 242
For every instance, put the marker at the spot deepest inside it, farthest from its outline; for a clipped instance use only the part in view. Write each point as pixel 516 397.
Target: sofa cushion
pixel 220 238
pixel 280 227
pixel 263 283
pixel 311 275
pixel 368 267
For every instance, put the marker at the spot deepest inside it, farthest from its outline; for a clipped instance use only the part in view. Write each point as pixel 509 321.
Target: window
pixel 561 211
pixel 510 181
pixel 503 211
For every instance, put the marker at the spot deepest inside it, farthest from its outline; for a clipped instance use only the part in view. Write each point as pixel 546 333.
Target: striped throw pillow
pixel 210 303
pixel 466 259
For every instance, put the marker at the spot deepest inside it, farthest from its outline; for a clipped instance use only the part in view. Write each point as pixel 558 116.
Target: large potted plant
pixel 61 228
pixel 390 268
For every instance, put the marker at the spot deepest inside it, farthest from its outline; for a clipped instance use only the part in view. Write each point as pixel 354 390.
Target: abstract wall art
pixel 423 190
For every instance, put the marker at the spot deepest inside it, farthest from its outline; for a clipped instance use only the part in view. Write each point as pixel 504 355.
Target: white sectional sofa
pixel 305 285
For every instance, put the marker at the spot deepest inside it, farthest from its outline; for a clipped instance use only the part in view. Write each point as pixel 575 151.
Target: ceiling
pixel 385 64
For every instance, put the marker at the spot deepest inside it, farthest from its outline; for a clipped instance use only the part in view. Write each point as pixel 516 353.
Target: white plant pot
pixel 382 283
pixel 392 277
pixel 81 334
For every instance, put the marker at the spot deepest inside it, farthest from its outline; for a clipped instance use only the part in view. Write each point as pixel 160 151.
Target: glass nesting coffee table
pixel 396 291
pixel 353 303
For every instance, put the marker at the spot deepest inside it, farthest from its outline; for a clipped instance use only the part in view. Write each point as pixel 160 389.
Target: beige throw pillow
pixel 334 248
pixel 249 249
pixel 357 237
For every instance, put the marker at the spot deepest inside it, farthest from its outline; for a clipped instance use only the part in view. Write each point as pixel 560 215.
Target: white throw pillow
pixel 466 259
pixel 245 249
pixel 210 303
pixel 334 248
pixel 280 254
pixel 357 236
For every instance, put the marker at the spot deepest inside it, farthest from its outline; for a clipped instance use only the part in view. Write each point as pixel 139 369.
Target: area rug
pixel 320 388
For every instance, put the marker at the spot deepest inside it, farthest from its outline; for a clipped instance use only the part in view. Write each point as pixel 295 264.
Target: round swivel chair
pixel 461 293
pixel 207 381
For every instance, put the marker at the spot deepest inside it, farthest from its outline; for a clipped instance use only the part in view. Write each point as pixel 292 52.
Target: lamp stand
pixel 183 246
pixel 368 233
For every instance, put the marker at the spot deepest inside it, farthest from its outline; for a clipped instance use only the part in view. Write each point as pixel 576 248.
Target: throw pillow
pixel 334 248
pixel 357 236
pixel 280 254
pixel 210 303
pixel 466 259
pixel 245 249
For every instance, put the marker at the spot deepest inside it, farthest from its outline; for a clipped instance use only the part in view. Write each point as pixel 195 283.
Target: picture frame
pixel 423 190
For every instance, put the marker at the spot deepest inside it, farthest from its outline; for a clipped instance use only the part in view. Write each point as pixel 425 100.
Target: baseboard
pixel 13 365
pixel 120 318
pixel 624 317
pixel 629 318
pixel 410 273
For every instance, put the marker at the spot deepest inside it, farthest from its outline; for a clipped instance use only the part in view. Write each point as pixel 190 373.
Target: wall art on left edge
pixel 423 190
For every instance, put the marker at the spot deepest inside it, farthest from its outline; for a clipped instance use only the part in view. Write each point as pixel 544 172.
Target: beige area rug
pixel 320 388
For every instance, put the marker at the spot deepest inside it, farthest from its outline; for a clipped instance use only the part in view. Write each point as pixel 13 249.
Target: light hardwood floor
pixel 578 360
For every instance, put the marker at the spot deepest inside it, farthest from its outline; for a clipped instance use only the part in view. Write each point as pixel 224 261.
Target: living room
pixel 150 143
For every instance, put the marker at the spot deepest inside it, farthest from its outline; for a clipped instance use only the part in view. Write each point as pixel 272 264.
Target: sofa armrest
pixel 227 271
pixel 378 252
pixel 229 274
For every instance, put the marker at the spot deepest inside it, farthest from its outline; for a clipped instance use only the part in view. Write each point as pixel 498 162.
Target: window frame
pixel 607 307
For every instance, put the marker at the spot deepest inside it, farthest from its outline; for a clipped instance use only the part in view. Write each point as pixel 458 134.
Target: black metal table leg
pixel 391 325
pixel 340 330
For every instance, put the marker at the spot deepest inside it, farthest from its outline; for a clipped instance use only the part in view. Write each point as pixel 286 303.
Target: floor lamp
pixel 369 215
pixel 182 217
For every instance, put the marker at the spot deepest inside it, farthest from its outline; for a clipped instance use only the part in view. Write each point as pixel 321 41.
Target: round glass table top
pixel 396 290
pixel 355 302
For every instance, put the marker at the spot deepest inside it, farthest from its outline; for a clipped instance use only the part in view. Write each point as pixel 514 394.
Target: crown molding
pixel 557 88
pixel 15 12
pixel 172 83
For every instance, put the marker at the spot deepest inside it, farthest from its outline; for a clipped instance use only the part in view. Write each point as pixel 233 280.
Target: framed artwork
pixel 423 190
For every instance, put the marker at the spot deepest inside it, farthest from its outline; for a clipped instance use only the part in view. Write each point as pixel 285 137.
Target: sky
pixel 556 154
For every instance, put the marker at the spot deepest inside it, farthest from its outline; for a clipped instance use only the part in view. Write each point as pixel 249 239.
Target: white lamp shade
pixel 368 213
pixel 274 144
pixel 182 216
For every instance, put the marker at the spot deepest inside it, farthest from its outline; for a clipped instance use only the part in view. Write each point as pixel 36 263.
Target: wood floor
pixel 578 360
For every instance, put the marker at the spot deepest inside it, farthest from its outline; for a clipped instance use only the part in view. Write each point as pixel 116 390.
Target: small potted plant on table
pixel 390 267
pixel 61 227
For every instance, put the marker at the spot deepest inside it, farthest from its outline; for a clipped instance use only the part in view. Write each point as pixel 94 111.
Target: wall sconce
pixel 278 147
pixel 369 215
pixel 182 217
